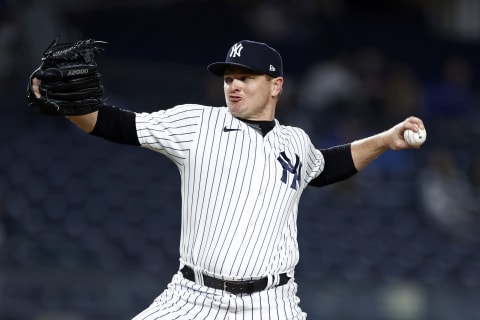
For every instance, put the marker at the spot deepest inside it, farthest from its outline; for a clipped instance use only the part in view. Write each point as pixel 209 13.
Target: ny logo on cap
pixel 236 50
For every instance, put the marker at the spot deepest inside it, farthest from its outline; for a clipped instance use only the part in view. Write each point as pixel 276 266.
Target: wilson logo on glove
pixel 77 72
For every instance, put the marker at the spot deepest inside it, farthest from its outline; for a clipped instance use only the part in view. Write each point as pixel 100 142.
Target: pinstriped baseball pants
pixel 186 300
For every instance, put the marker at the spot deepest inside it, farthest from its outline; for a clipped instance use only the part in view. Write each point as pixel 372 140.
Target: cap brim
pixel 218 68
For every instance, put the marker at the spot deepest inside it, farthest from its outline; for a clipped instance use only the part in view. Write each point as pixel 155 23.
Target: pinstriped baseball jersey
pixel 240 190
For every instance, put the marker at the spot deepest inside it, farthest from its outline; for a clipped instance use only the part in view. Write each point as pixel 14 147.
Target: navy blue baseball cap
pixel 256 56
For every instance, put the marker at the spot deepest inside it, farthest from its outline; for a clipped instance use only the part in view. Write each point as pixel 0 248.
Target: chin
pixel 235 110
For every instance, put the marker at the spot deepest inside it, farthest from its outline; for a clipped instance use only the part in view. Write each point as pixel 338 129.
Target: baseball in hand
pixel 415 139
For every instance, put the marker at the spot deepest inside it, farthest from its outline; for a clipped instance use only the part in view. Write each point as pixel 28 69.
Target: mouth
pixel 234 98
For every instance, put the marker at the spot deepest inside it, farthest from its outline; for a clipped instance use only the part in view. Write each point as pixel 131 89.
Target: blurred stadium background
pixel 90 229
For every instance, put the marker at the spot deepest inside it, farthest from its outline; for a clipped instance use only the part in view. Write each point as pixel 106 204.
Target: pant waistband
pixel 235 287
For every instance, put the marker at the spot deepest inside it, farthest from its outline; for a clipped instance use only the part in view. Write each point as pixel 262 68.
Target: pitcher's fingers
pixel 36 87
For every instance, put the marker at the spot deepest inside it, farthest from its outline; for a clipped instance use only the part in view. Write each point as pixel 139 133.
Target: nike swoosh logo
pixel 225 129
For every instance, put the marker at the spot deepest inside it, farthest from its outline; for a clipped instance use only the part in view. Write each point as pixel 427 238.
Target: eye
pixel 228 80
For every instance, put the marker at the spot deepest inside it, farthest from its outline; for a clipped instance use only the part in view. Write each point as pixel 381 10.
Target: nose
pixel 235 84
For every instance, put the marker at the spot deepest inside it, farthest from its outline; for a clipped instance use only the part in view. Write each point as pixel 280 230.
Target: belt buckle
pixel 247 287
pixel 230 286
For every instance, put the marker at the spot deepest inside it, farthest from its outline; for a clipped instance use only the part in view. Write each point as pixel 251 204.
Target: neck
pixel 262 126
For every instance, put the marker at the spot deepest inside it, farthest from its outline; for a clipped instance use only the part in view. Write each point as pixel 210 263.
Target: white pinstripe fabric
pixel 239 204
pixel 186 300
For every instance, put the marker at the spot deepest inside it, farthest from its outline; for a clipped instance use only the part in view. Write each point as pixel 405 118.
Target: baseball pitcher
pixel 242 174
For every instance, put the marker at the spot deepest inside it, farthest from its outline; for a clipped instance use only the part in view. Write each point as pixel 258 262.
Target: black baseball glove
pixel 70 84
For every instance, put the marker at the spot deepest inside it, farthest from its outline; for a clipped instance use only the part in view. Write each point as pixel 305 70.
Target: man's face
pixel 248 94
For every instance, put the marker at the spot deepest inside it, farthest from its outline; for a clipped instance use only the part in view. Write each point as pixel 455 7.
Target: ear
pixel 277 85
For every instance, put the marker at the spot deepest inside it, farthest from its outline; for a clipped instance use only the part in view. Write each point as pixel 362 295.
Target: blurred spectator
pixel 3 229
pixel 448 197
pixel 41 22
pixel 403 93
pixel 287 21
pixel 456 19
pixel 474 175
pixel 449 102
pixel 327 92
pixel 328 84
pixel 370 65
pixel 9 41
pixel 451 95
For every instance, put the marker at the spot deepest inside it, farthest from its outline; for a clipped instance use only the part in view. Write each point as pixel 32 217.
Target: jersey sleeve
pixel 170 132
pixel 315 161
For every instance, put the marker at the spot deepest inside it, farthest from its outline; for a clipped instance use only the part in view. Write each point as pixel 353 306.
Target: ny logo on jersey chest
pixel 288 167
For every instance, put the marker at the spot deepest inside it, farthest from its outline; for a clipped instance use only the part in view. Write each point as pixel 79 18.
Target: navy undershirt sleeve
pixel 117 125
pixel 338 166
